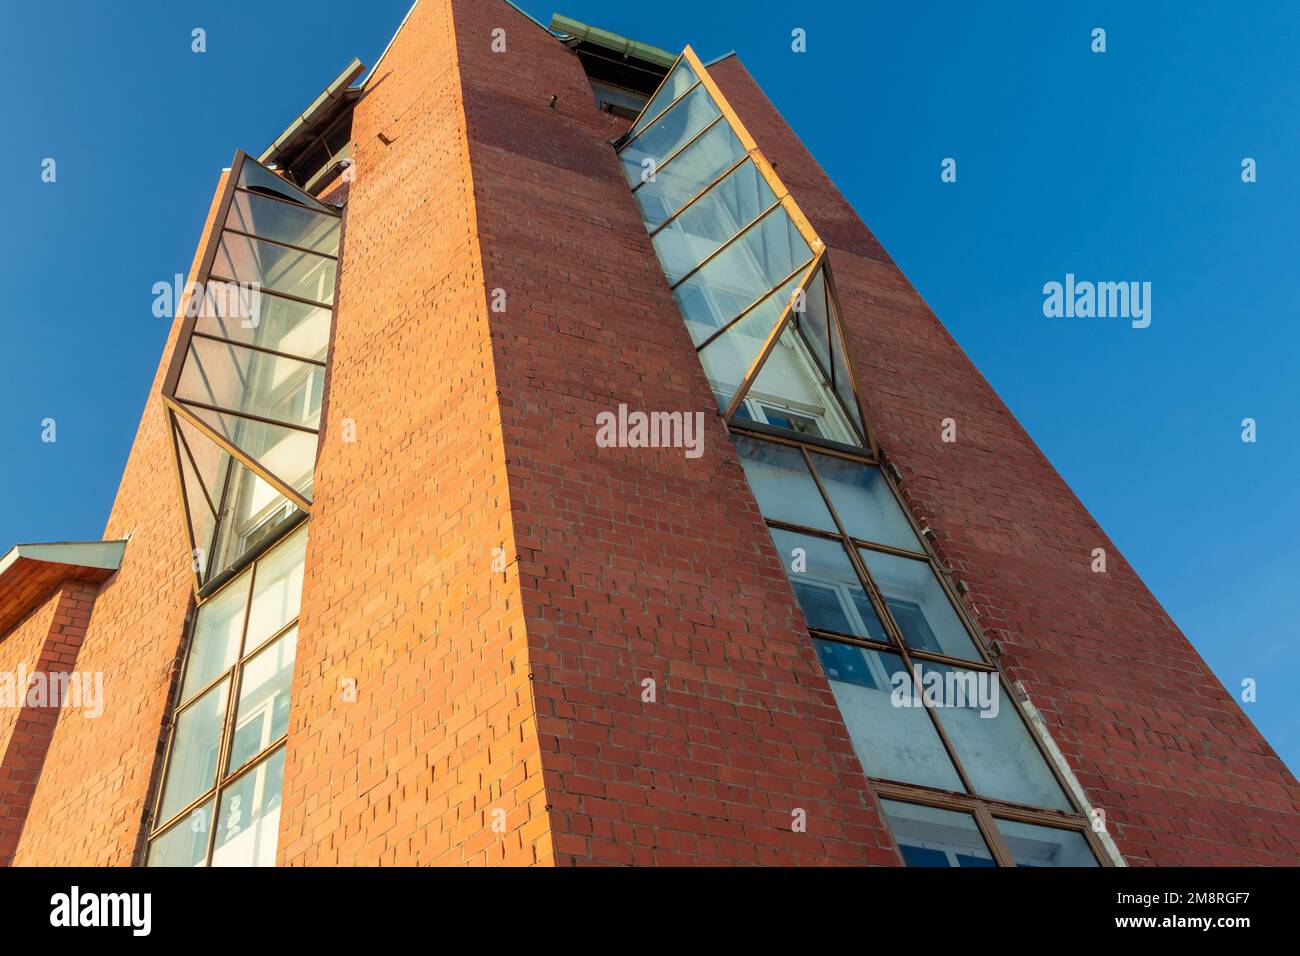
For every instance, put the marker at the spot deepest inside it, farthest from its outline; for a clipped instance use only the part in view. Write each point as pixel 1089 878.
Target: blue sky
pixel 1124 165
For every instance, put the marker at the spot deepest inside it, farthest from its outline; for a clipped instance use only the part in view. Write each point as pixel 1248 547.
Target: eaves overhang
pixel 29 572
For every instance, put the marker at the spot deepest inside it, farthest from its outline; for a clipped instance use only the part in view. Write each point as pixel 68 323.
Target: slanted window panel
pixel 246 384
pixel 713 220
pixel 655 145
pixel 689 172
pixel 680 79
pixel 892 743
pixel 991 741
pixel 865 502
pixel 1033 845
pixel 782 486
pixel 227 742
pixel 920 605
pixel 827 586
pixel 929 836
pixel 735 249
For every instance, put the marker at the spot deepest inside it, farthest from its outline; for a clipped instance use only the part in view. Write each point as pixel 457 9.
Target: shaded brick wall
pixel 47 642
pixel 1183 776
pixel 400 595
pixel 635 563
pixel 90 805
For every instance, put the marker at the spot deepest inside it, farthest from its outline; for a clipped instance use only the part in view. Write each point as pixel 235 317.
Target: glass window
pixel 258 178
pixel 929 836
pixel 248 823
pixel 196 744
pixel 186 843
pixel 756 262
pixel 991 741
pixel 664 136
pixel 789 380
pixel 262 716
pixel 712 220
pixel 865 503
pixel 277 268
pixel 920 605
pixel 254 512
pixel 892 742
pixel 689 172
pixel 1033 845
pixel 218 627
pixel 287 453
pixel 237 379
pixel 255 317
pixel 277 591
pixel 826 585
pixel 681 79
pixel 284 222
pixel 781 484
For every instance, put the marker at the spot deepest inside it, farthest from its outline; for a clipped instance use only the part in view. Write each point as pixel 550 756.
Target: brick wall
pixel 1183 776
pixel 635 563
pixel 400 595
pixel 46 641
pixel 89 807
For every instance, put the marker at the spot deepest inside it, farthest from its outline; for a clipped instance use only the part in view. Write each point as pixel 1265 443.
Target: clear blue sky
pixel 1117 166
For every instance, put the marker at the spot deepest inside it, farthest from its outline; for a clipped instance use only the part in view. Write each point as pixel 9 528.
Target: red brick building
pixel 536 475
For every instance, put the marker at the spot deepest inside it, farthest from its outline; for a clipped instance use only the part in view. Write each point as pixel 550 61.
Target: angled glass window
pixel 828 589
pixel 246 384
pixel 989 738
pixel 893 743
pixel 865 502
pixel 1033 845
pixel 929 836
pixel 782 486
pixel 681 79
pixel 230 752
pixel 919 605
pixel 655 145
pixel 689 172
pixel 712 220
pixel 818 325
pixel 790 393
pixel 761 258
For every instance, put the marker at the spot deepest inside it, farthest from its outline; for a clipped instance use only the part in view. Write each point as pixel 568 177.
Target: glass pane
pixel 812 321
pixel 989 738
pixel 254 512
pixel 865 503
pixel 727 358
pixel 248 824
pixel 713 220
pixel 260 318
pixel 304 274
pixel 919 605
pixel 287 453
pixel 258 178
pixel 199 505
pixel 1033 845
pixel 791 393
pixel 658 141
pixel 681 79
pixel 690 171
pixel 839 370
pixel 892 742
pixel 781 484
pixel 928 836
pixel 255 383
pixel 185 844
pixel 262 716
pixel 192 766
pixel 218 628
pixel 749 268
pixel 826 585
pixel 296 225
pixel 277 591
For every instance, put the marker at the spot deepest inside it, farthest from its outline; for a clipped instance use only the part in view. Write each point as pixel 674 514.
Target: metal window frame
pixel 224 778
